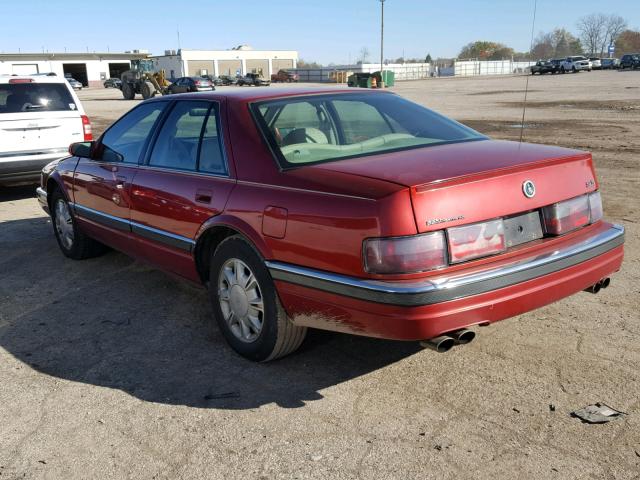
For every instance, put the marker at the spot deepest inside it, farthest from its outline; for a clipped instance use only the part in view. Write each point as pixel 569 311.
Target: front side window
pixel 320 128
pixel 189 139
pixel 123 142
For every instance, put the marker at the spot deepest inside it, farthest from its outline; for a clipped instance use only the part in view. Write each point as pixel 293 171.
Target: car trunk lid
pixel 469 182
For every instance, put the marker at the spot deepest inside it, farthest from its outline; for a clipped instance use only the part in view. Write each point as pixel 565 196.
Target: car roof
pixel 40 78
pixel 269 93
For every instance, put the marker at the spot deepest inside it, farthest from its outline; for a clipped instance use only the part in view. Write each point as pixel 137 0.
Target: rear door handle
pixel 204 196
pixel 120 181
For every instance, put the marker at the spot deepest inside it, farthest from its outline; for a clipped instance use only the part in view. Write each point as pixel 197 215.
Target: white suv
pixel 575 64
pixel 40 116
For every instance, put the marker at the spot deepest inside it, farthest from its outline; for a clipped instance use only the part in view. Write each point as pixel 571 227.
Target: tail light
pixel 477 240
pixel 417 253
pixel 595 206
pixel 86 128
pixel 564 217
pixel 21 80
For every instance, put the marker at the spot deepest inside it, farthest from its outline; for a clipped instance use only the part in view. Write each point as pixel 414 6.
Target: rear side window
pixel 190 140
pixel 35 97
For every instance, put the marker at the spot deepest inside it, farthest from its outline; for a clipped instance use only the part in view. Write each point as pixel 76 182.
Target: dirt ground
pixel 108 368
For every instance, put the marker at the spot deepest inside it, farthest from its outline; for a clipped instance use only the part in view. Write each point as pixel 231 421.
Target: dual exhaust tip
pixel 446 342
pixel 596 287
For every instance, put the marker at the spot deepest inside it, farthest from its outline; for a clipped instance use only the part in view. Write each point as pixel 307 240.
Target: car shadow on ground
pixel 8 194
pixel 116 323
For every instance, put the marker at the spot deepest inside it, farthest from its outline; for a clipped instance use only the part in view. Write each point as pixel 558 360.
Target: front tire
pixel 246 305
pixel 73 243
pixel 127 91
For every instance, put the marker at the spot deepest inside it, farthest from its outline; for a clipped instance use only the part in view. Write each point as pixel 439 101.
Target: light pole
pixel 382 43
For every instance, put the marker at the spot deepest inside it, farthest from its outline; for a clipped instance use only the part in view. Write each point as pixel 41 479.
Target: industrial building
pixel 91 69
pixel 237 61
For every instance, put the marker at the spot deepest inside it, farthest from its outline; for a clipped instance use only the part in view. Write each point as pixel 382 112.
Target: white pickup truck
pixel 40 116
pixel 575 64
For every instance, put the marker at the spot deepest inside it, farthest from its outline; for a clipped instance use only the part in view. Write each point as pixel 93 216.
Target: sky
pixel 326 31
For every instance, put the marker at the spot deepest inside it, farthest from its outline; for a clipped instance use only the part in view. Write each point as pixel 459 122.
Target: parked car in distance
pixel 544 66
pixel 227 80
pixel 610 63
pixel 575 64
pixel 596 63
pixel 40 116
pixel 112 83
pixel 354 211
pixel 75 84
pixel 190 84
pixel 253 79
pixel 631 60
pixel 284 76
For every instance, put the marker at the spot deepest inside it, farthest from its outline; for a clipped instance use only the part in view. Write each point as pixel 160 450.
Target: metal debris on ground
pixel 597 413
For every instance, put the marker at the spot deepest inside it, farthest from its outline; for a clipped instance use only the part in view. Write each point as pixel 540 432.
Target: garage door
pixel 258 66
pixel 24 69
pixel 229 67
pixel 200 67
pixel 77 71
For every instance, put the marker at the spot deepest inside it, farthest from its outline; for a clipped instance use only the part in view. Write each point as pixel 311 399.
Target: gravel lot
pixel 109 370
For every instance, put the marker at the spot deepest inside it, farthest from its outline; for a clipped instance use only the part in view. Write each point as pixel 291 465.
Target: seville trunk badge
pixel 529 189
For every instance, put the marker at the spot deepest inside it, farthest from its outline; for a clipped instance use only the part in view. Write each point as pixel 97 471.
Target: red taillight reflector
pixel 417 253
pixel 86 128
pixel 477 240
pixel 20 80
pixel 564 217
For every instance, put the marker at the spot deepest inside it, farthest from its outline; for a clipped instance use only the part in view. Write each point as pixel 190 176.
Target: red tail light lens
pixel 564 217
pixel 595 206
pixel 86 128
pixel 20 80
pixel 477 240
pixel 417 253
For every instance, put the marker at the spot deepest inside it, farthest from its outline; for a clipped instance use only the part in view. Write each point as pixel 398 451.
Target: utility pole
pixel 382 44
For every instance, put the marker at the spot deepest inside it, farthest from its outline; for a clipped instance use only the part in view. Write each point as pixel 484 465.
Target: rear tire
pixel 73 243
pixel 246 305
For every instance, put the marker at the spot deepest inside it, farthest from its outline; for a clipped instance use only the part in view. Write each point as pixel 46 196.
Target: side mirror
pixel 81 149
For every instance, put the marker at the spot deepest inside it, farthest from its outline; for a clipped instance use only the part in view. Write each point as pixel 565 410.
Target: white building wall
pixel 180 63
pixel 94 68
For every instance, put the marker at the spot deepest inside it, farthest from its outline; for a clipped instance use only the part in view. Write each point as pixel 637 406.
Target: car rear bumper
pixel 416 311
pixel 23 167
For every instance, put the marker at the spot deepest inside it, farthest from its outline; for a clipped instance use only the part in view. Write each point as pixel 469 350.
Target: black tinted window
pixel 35 97
pixel 179 138
pixel 123 142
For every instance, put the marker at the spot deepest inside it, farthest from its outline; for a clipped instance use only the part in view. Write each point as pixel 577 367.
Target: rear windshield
pixel 320 128
pixel 32 97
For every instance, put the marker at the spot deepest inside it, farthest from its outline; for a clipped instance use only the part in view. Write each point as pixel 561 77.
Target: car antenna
pixel 526 87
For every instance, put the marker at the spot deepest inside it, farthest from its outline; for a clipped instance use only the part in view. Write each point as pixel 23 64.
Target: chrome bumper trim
pixel 428 292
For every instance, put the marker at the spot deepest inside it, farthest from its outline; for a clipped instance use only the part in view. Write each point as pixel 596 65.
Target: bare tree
pixel 615 26
pixel 593 31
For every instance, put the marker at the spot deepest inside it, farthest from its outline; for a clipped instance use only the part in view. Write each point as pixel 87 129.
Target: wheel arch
pixel 54 182
pixel 212 232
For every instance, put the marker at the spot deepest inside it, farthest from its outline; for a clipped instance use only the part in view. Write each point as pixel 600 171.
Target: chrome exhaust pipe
pixel 464 336
pixel 440 344
pixel 605 282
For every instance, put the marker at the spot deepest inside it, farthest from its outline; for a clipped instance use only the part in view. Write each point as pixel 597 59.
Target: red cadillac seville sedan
pixel 348 210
